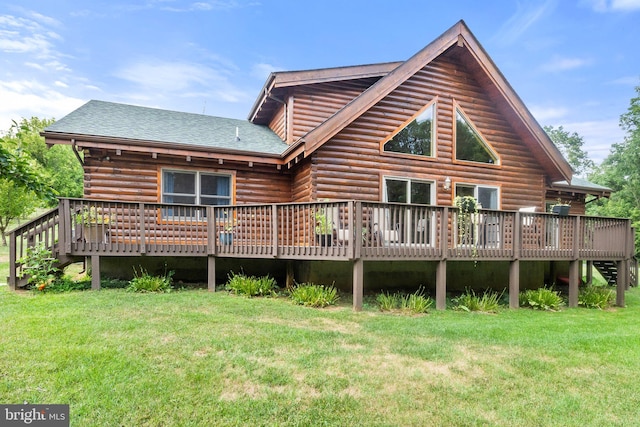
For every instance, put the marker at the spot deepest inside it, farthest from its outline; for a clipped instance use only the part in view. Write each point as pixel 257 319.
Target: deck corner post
pixel 441 285
pixel 621 282
pixel 13 279
pixel 95 272
pixel 514 284
pixel 211 273
pixel 574 282
pixel 358 283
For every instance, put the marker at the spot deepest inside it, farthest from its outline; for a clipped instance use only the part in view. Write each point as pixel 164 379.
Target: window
pixel 408 191
pixel 195 188
pixel 470 145
pixel 487 197
pixel 416 137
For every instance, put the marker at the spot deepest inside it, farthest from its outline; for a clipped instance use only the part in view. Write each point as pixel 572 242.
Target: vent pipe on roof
pixel 237 133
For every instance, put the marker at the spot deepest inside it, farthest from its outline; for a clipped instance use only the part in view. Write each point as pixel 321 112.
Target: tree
pixel 16 167
pixel 620 171
pixel 59 163
pixel 14 203
pixel 571 146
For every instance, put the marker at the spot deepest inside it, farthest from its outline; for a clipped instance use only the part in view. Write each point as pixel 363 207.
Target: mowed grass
pixel 194 358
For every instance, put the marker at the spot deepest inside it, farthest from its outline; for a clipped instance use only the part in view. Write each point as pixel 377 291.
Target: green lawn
pixel 193 358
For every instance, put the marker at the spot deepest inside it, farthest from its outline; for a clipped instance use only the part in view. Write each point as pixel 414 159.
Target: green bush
pixel 596 297
pixel 488 302
pixel 415 303
pixel 39 265
pixel 311 295
pixel 541 299
pixel 144 282
pixel 67 284
pixel 250 286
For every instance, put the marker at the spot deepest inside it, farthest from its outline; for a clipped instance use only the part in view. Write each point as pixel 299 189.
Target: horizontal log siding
pixel 351 165
pixel 133 176
pixel 277 123
pixel 301 185
pixel 315 103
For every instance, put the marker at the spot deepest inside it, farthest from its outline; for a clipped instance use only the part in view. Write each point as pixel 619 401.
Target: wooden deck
pixel 360 231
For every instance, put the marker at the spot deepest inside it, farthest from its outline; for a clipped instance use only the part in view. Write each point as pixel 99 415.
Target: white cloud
pixel 525 16
pixel 559 63
pixel 261 71
pixel 615 5
pixel 547 114
pixel 27 98
pixel 598 136
pixel 161 80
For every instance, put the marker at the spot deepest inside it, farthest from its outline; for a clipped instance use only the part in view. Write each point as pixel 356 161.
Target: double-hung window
pixel 195 188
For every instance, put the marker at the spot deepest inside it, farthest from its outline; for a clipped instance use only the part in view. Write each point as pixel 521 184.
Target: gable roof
pixel 279 81
pixel 100 120
pixel 477 59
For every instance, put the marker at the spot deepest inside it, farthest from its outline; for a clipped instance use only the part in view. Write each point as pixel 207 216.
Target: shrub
pixel 415 303
pixel 39 264
pixel 488 302
pixel 66 284
pixel 596 297
pixel 311 295
pixel 541 299
pixel 250 286
pixel 144 282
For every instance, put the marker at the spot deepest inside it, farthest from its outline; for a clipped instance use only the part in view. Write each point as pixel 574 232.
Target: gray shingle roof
pixel 108 119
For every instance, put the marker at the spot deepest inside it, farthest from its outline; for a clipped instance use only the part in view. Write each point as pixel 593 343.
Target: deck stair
pixel 608 270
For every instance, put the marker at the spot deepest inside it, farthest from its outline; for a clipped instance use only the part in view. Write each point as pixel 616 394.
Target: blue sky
pixel 573 62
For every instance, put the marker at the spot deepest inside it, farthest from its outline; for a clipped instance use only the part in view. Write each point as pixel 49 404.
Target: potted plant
pixel 323 228
pixel 95 224
pixel 226 235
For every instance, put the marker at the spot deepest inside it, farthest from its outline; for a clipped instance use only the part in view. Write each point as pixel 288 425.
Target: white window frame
pixel 199 214
pixel 476 187
pixel 407 229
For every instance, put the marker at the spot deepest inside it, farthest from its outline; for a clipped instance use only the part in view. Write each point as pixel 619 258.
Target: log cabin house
pixel 373 156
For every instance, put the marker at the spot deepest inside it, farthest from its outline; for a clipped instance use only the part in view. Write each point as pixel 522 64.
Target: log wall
pixel 351 164
pixel 135 176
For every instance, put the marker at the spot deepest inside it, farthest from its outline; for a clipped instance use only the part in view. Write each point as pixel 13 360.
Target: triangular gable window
pixel 470 145
pixel 416 137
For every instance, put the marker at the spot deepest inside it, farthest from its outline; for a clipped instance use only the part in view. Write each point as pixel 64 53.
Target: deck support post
pixel 514 284
pixel 290 280
pixel 441 285
pixel 574 282
pixel 95 272
pixel 621 282
pixel 589 272
pixel 211 273
pixel 358 283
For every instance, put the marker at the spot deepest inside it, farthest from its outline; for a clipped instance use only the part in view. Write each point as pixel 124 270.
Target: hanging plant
pixel 467 211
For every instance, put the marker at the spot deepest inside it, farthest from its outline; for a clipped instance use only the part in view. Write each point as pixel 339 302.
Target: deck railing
pixel 339 230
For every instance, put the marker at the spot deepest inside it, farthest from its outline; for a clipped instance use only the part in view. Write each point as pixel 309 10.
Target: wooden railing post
pixel 64 226
pixel 274 230
pixel 143 248
pixel 355 209
pixel 211 230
